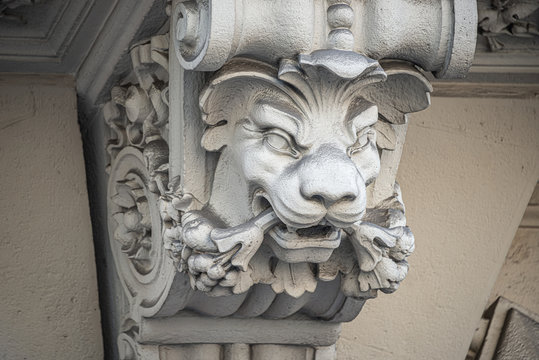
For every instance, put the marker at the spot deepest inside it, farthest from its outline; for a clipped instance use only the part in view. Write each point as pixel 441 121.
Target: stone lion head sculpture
pixel 300 141
pixel 298 151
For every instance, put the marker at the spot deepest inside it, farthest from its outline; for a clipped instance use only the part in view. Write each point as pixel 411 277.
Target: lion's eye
pixel 280 141
pixel 364 138
pixel 277 142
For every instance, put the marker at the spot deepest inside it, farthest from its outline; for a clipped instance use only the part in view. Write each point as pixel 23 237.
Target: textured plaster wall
pixel 48 289
pixel 518 279
pixel 468 170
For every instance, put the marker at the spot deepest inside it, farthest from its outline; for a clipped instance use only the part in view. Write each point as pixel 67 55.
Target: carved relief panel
pixel 257 182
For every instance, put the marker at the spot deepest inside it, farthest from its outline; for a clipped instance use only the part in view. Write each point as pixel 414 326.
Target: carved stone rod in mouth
pixel 249 235
pixel 211 254
pixel 214 252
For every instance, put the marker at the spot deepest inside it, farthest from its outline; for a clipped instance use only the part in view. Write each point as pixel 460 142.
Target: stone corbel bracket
pixel 266 190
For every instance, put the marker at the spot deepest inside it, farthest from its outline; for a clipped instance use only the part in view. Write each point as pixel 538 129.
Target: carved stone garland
pixel 302 219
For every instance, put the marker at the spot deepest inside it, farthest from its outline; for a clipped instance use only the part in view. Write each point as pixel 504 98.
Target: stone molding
pixel 261 197
pixel 506 331
pixel 57 36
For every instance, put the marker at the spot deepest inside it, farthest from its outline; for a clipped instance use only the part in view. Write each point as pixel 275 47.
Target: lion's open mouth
pixel 313 244
pixel 313 231
pixel 318 236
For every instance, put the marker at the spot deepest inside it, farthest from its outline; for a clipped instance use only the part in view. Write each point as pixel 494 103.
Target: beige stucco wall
pixel 467 172
pixel 518 279
pixel 48 290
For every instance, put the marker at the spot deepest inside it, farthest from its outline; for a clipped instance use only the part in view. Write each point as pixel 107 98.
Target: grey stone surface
pixel 519 338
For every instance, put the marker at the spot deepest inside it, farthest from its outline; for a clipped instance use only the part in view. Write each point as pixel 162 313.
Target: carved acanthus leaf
pixel 341 261
pixel 350 285
pixel 260 267
pixel 293 279
pixel 405 91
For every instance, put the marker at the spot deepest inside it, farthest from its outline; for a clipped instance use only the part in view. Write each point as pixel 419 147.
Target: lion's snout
pixel 330 177
pixel 329 180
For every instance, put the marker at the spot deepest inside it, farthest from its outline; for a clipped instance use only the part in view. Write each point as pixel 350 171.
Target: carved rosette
pixel 136 241
pixel 138 175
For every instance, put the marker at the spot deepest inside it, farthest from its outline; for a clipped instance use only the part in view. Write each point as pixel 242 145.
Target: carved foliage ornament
pixel 507 17
pixel 138 118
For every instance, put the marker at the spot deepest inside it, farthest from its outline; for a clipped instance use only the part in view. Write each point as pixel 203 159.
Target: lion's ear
pixel 405 91
pixel 216 105
pixel 227 97
pixel 215 137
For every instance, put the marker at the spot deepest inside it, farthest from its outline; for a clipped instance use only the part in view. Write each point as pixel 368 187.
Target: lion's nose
pixel 329 176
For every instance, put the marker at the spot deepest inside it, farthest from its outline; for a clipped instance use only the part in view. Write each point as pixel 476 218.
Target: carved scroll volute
pixel 437 35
